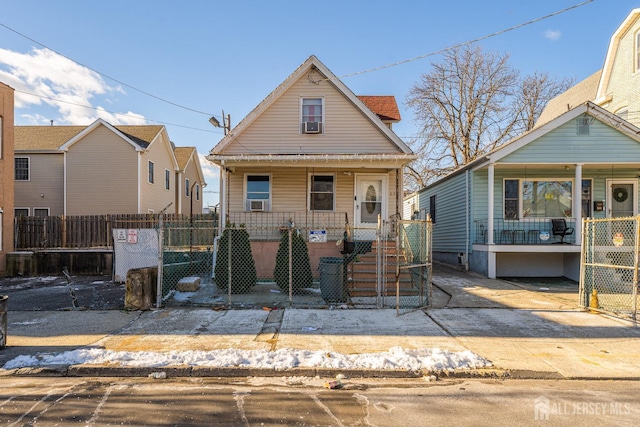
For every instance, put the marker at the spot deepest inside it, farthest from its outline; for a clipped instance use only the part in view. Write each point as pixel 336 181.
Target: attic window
pixel 583 125
pixel 312 113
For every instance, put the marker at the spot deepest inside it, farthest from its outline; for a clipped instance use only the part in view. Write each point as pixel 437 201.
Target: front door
pixel 370 202
pixel 621 199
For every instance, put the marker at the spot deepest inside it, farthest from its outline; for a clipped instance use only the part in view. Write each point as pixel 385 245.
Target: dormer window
pixel 312 115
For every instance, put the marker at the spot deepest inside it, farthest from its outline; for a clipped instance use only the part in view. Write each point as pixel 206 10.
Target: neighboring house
pixel 315 153
pixel 189 181
pixel 97 169
pixel 6 174
pixel 582 159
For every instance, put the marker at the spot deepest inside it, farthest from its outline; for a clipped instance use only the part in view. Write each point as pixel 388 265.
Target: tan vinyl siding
pixel 290 188
pixel 45 188
pixel 155 196
pixel 624 82
pixel 346 130
pixel 102 172
pixel 192 175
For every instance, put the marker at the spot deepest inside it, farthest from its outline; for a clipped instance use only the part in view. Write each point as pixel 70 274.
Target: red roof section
pixel 384 106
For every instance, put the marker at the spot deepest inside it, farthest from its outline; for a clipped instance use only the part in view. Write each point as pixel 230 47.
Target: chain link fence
pixel 332 264
pixel 609 266
pixel 186 257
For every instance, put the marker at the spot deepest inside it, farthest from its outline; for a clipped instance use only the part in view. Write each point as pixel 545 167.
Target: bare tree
pixel 468 104
pixel 532 95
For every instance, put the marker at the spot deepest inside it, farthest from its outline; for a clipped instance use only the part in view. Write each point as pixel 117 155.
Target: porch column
pixel 490 204
pixel 577 204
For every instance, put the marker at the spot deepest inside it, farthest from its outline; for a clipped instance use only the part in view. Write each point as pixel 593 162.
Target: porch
pixel 527 232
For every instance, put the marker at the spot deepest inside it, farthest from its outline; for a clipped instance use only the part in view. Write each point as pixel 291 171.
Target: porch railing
pixel 271 225
pixel 530 231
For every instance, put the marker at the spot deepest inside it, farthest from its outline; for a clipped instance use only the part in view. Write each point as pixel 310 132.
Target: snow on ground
pixel 396 358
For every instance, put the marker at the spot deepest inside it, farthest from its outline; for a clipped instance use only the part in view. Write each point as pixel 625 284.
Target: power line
pixel 113 112
pixel 497 33
pixel 107 76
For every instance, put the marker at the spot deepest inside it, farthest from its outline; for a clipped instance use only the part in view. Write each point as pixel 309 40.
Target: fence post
pixel 160 261
pixel 229 274
pixel 634 291
pixel 290 263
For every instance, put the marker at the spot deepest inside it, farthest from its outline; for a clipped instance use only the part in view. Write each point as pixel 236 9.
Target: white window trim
pixel 322 122
pixel 14 164
pixel 335 185
pixel 244 190
pixel 20 208
pixel 636 52
pixel 41 208
pixel 167 180
pixel 521 196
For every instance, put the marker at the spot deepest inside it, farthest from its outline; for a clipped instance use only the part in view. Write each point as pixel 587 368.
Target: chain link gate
pixel 414 265
pixel 609 266
pixel 186 259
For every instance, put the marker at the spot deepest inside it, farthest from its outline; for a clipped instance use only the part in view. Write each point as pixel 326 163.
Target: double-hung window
pixel 167 179
pixel 543 198
pixel 257 192
pixel 322 193
pixel 187 190
pixel 312 115
pixel 22 168
pixel 151 178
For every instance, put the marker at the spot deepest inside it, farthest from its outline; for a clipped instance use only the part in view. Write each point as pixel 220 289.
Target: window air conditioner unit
pixel 256 205
pixel 311 127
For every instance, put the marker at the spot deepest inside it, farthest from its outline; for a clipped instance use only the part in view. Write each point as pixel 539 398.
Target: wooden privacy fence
pixel 95 231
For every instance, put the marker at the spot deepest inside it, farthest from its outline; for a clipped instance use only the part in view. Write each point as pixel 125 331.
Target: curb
pixel 236 372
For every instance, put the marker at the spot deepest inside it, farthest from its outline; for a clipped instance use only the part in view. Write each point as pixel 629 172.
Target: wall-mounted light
pixel 42 195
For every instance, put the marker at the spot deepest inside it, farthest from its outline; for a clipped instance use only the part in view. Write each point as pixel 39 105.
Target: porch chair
pixel 559 228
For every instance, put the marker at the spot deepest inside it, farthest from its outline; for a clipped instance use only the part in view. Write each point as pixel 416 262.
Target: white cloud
pixel 552 34
pixel 60 84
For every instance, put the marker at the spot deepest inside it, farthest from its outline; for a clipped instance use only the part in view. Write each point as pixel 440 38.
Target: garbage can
pixel 331 279
pixel 3 321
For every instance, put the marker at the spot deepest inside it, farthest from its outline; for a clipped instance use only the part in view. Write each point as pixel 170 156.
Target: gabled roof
pixel 183 156
pixel 311 63
pixel 187 155
pixel 519 142
pixel 53 138
pixel 384 106
pixel 612 52
pixel 581 92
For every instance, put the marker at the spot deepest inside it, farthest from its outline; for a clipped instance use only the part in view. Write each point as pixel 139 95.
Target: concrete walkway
pixel 525 332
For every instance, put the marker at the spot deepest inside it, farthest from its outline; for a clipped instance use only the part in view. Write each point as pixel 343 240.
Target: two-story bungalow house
pixel 518 210
pixel 103 169
pixel 6 174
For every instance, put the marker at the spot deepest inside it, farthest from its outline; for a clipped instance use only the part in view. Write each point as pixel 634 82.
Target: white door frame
pixel 358 198
pixel 609 196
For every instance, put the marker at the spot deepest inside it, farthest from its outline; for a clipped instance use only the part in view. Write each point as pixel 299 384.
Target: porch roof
pixel 317 160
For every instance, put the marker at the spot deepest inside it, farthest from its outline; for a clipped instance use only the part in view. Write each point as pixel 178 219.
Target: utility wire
pixel 455 46
pixel 115 113
pixel 107 76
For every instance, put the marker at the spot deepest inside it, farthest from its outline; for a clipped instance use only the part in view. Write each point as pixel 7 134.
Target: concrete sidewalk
pixel 524 333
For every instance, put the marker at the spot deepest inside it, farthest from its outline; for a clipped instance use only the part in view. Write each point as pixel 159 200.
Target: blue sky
pixel 209 56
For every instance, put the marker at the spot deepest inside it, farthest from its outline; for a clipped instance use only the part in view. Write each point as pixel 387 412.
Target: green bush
pixel 243 267
pixel 301 267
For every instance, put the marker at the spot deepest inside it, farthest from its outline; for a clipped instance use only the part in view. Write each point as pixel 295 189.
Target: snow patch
pixel 396 358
